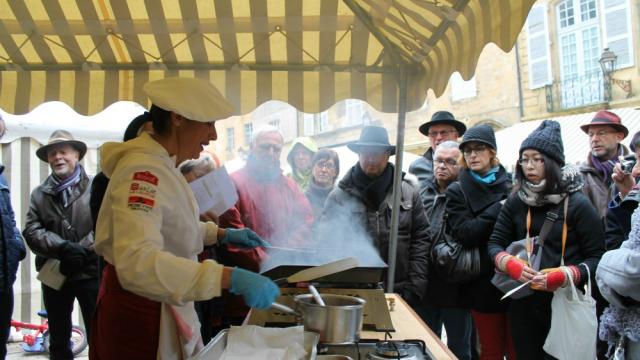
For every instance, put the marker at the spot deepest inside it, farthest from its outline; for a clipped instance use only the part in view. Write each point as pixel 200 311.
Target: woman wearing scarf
pixel 542 183
pixel 472 208
pixel 617 278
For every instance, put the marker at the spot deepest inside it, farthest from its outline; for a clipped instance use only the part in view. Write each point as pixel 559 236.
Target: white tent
pixel 576 142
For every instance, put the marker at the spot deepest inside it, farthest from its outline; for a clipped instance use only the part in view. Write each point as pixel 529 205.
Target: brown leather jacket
pixel 595 188
pixel 49 224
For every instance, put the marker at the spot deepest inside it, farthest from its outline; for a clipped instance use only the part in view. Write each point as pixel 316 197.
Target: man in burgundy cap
pixel 605 133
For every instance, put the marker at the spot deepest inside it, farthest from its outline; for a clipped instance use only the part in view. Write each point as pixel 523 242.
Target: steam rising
pixel 335 237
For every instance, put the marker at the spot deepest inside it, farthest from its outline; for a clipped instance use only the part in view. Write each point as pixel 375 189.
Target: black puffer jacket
pixel 49 224
pixel 346 215
pixel 12 248
pixel 585 236
pixel 471 221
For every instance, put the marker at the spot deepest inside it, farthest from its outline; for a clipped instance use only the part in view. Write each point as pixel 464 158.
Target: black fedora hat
pixel 59 137
pixel 373 136
pixel 443 117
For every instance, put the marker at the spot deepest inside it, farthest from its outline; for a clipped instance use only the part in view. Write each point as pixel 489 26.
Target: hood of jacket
pixel 305 142
pixel 112 152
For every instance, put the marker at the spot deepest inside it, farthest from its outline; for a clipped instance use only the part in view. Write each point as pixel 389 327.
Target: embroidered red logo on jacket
pixel 146 176
pixel 140 203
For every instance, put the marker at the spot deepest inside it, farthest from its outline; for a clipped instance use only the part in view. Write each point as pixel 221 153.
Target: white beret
pixel 193 98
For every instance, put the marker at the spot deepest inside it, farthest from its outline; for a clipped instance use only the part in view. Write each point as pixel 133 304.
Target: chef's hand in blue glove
pixel 258 291
pixel 244 238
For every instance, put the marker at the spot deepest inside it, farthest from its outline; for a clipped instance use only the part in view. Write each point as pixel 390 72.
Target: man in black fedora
pixel 358 211
pixel 442 127
pixel 59 228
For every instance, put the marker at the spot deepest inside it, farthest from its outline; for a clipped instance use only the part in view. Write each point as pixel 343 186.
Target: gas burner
pixel 385 350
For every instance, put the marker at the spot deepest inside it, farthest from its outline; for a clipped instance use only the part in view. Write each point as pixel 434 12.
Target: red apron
pixel 125 325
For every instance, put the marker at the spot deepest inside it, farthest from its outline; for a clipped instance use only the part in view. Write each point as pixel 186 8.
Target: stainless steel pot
pixel 338 322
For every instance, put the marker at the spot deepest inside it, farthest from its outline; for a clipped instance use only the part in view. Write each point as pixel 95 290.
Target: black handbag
pixel 528 249
pixel 452 261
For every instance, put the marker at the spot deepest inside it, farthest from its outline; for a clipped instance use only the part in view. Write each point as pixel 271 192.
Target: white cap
pixel 193 98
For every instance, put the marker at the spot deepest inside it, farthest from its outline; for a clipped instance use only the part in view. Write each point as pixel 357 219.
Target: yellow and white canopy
pixel 310 54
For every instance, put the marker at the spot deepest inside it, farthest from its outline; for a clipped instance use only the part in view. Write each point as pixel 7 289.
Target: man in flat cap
pixel 59 227
pixel 442 127
pixel 605 133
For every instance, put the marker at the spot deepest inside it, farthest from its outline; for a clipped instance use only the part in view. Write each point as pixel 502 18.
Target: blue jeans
pixel 458 324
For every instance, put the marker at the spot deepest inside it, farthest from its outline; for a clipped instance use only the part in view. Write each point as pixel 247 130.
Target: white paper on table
pixel 214 191
pixel 250 342
pixel 50 274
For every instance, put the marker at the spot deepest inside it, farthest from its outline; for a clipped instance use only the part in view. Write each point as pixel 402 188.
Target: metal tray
pixel 217 345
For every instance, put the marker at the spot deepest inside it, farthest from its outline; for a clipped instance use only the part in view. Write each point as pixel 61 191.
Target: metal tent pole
pixel 397 176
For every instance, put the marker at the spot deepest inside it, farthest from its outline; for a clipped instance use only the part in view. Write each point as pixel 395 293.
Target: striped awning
pixel 309 54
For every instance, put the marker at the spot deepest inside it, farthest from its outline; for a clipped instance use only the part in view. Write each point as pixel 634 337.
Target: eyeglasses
pixel 534 161
pixel 325 165
pixel 445 162
pixel 600 133
pixel 441 133
pixel 272 147
pixel 477 150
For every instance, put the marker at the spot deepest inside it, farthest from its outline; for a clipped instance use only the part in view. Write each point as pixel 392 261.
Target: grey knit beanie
pixel 547 140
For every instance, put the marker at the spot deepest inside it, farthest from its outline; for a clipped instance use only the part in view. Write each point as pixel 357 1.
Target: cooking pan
pixel 338 322
pixel 319 271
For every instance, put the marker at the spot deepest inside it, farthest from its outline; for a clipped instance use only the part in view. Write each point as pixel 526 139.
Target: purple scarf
pixel 606 167
pixel 64 187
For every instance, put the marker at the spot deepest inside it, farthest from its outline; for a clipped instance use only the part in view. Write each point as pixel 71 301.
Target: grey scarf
pixel 571 182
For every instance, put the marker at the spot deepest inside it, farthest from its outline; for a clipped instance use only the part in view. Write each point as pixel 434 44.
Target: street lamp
pixel 608 64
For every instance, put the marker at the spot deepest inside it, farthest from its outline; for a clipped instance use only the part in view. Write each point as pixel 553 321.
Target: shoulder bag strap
pixel 535 258
pixel 564 229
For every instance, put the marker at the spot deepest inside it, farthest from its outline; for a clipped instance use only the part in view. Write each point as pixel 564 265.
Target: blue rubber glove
pixel 244 238
pixel 258 291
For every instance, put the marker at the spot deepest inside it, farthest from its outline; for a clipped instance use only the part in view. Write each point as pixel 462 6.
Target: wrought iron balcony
pixel 575 91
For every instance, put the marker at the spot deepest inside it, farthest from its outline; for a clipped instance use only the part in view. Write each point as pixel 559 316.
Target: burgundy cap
pixel 607 118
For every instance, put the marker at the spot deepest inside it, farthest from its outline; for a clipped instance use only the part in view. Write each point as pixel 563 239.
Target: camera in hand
pixel 627 163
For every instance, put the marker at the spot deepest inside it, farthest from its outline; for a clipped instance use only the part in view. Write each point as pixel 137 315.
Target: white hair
pixel 449 144
pixel 264 129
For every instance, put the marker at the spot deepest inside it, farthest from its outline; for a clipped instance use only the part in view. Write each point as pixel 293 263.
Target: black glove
pixel 73 257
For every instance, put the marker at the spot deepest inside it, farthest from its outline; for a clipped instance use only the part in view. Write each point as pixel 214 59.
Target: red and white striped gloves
pixel 545 280
pixel 553 278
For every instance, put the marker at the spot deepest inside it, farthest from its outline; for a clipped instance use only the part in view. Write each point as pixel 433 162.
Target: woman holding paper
pixel 149 234
pixel 542 184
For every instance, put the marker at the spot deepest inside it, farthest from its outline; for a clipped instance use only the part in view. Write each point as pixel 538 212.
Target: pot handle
pixel 285 308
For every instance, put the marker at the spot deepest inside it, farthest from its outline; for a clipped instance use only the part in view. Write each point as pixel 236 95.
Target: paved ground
pixel 14 351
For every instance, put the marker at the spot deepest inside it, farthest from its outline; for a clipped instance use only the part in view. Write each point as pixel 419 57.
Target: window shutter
pixel 538 44
pixel 617 30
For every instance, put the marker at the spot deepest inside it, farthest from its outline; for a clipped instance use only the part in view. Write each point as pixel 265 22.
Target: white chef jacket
pixel 148 228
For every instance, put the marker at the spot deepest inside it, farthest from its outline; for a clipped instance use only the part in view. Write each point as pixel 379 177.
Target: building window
pixel 308 124
pixel 579 45
pixel 323 122
pixel 461 89
pixel 275 123
pixel 230 140
pixel 248 132
pixel 354 112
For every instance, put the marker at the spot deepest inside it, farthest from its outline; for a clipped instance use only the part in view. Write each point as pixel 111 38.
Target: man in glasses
pixel 442 127
pixel 268 202
pixel 441 305
pixel 605 133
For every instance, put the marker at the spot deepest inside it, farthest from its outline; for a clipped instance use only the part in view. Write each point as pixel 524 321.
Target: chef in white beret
pixel 149 233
